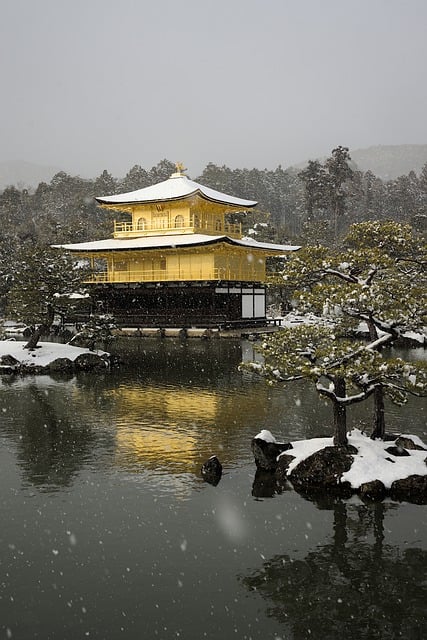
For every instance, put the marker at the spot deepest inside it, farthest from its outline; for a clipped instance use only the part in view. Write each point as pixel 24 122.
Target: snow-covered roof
pixel 177 187
pixel 171 241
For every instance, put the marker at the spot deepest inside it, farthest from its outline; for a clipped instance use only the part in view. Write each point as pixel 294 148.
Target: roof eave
pixel 244 204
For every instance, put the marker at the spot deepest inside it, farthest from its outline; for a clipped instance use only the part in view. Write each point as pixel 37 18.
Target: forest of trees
pixel 310 206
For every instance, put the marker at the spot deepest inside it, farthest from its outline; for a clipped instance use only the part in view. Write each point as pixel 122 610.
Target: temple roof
pixel 177 187
pixel 170 242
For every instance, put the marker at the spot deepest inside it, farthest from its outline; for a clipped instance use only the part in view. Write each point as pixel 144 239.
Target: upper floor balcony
pixel 129 230
pixel 174 275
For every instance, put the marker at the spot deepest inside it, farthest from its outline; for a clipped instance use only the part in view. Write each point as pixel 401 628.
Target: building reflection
pixel 159 427
pixel 176 428
pixel 167 409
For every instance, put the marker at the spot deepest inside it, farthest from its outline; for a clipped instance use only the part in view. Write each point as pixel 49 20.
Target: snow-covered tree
pixel 315 185
pixel 378 280
pixel 161 171
pixel 328 187
pixel 339 175
pixel 45 284
pixel 98 329
pixel 105 184
pixel 136 178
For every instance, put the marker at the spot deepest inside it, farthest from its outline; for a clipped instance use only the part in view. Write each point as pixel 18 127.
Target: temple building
pixel 178 261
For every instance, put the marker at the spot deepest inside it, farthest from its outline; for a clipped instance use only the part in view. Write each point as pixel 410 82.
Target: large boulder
pixel 8 364
pixel 374 490
pixel 88 361
pixel 281 472
pixel 267 452
pixel 411 489
pixel 61 364
pixel 8 360
pixel 322 471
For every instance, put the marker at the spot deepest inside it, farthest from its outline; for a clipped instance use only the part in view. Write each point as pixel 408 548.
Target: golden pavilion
pixel 177 261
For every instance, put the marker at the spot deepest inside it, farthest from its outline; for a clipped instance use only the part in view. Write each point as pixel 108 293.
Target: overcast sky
pixel 94 84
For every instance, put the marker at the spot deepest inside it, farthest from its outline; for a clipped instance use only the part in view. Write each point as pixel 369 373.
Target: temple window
pixel 218 224
pixel 141 224
pixel 160 220
pixel 179 222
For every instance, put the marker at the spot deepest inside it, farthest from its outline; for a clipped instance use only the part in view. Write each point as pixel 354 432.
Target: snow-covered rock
pixel 266 450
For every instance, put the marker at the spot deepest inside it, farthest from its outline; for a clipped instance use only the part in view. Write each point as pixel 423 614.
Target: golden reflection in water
pixel 176 403
pixel 161 427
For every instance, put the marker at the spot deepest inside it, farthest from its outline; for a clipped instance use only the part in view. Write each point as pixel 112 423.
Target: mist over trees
pixel 315 205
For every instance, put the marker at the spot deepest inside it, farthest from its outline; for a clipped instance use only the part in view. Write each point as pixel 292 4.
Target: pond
pixel 109 531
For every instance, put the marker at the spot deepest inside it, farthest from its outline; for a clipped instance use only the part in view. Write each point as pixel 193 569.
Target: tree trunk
pixel 379 418
pixel 340 414
pixel 38 332
pixel 42 329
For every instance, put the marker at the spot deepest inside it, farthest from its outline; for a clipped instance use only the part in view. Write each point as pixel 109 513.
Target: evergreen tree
pixel 328 188
pixel 420 219
pixel 44 281
pixel 162 171
pixel 379 280
pixel 136 178
pixel 339 178
pixel 315 187
pixel 105 184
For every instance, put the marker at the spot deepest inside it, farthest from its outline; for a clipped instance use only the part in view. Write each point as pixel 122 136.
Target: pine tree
pixel 162 171
pixel 340 175
pixel 136 178
pixel 315 185
pixel 105 184
pixel 44 281
pixel 379 280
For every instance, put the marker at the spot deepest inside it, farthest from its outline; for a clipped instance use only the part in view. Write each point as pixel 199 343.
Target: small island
pixel 374 469
pixel 15 357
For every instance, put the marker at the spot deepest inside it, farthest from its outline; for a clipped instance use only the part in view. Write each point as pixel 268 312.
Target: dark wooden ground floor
pixel 209 304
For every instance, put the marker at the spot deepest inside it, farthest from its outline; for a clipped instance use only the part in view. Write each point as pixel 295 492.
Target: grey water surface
pixel 108 530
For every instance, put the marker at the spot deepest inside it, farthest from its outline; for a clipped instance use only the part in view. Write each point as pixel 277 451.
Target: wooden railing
pixel 173 275
pixel 128 230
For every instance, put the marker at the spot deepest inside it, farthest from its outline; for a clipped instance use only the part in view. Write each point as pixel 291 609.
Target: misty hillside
pixel 25 174
pixel 385 161
pixel 390 161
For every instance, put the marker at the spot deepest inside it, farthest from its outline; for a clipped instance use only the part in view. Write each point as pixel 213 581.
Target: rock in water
pixel 266 453
pixel 323 470
pixel 413 488
pixel 212 470
pixel 373 490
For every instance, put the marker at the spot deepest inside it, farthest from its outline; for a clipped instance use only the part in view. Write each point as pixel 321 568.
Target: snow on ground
pixel 372 462
pixel 293 318
pixel 44 354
